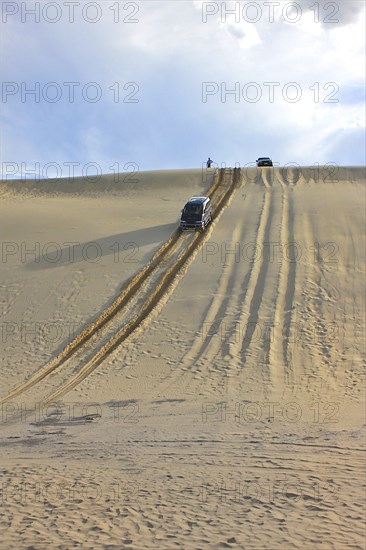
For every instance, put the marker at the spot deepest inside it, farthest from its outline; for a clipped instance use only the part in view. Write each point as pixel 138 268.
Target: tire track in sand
pixel 92 329
pixel 161 289
pixel 254 285
pixel 91 334
pixel 278 351
pixel 208 342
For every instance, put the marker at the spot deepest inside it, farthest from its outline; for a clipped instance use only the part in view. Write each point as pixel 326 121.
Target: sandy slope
pixel 234 416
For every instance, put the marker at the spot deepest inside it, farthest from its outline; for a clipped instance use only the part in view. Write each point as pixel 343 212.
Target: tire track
pixel 163 288
pixel 290 372
pixel 91 335
pixel 249 302
pixel 223 375
pixel 278 350
pixel 254 285
pixel 206 346
pixel 92 329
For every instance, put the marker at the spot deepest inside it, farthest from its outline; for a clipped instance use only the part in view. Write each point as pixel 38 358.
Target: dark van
pixel 196 214
pixel 264 161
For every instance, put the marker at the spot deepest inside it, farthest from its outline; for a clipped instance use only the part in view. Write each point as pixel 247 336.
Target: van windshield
pixel 193 209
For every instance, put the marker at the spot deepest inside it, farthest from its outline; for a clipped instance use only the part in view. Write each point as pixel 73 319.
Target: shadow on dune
pixel 125 247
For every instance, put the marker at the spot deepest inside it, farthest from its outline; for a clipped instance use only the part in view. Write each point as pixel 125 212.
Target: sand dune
pixel 162 390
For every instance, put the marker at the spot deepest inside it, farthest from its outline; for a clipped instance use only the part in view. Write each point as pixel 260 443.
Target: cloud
pixel 245 33
pixel 169 54
pixel 334 14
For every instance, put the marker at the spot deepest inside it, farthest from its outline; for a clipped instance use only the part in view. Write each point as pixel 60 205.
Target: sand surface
pixel 163 390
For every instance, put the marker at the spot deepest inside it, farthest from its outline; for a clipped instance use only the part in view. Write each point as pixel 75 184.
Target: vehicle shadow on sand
pixel 126 247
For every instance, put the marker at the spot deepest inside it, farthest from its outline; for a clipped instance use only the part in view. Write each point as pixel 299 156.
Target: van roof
pixel 198 200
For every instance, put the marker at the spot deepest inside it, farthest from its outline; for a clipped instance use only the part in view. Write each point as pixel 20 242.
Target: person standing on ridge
pixel 209 162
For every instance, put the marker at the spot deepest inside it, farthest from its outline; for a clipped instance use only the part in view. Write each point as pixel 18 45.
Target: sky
pixel 114 86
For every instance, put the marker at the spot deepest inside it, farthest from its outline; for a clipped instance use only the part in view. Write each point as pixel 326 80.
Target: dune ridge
pixel 93 185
